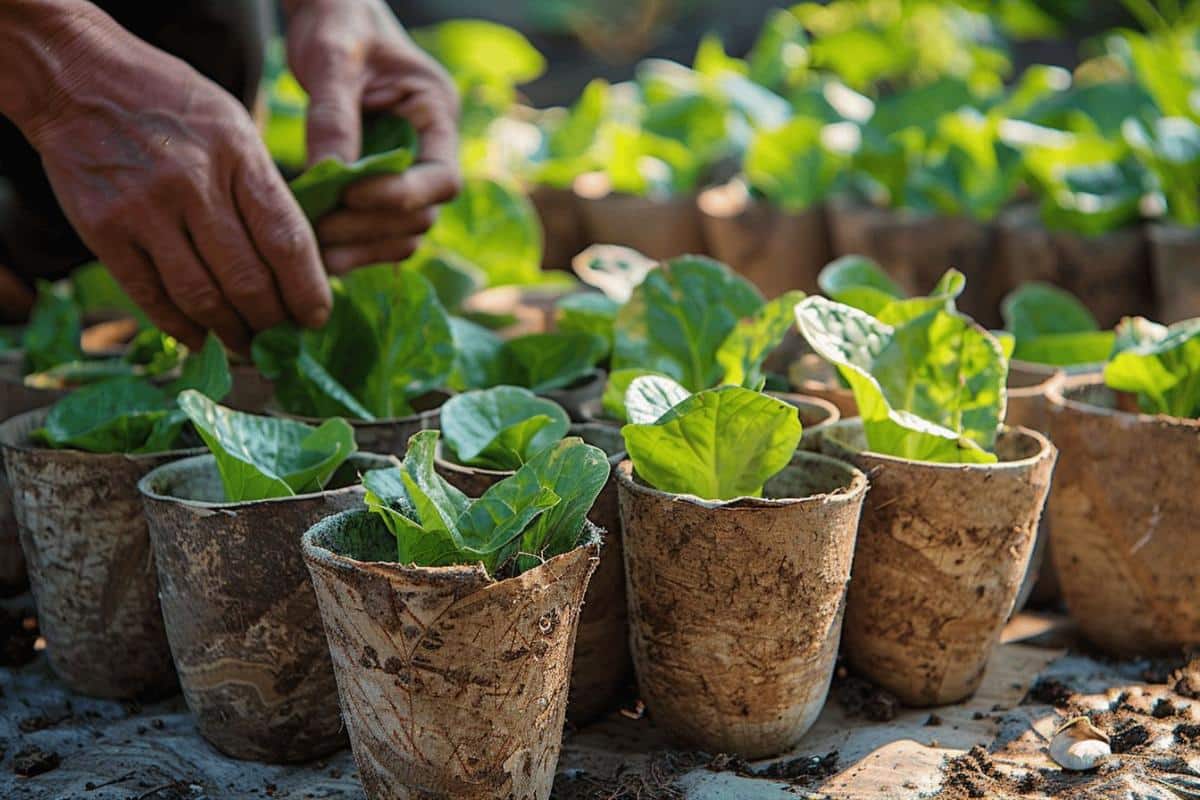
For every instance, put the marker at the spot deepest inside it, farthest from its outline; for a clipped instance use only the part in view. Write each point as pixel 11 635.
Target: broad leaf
pixel 932 389
pixel 264 457
pixel 206 372
pixel 793 166
pixel 52 335
pixel 390 149
pixel 859 282
pixel 114 416
pixel 619 381
pixel 649 397
pixel 542 362
pixel 501 428
pixel 679 316
pixel 1051 326
pixel 719 444
pixel 477 358
pixel 747 346
pixel 1158 363
pixel 587 312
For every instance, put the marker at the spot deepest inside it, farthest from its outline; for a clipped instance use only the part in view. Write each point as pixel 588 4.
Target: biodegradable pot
pixel 575 397
pixel 941 555
pixel 915 249
pixel 1174 260
pixel 240 611
pixel 562 225
pixel 774 249
pixel 452 685
pixel 15 398
pixel 1109 273
pixel 602 669
pixel 660 229
pixel 735 609
pixel 813 376
pixel 386 436
pixel 1123 520
pixel 90 563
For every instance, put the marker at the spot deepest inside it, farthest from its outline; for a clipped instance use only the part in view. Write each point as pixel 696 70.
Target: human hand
pixel 164 177
pixel 352 56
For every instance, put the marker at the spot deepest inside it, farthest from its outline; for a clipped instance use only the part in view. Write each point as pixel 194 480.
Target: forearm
pixel 44 49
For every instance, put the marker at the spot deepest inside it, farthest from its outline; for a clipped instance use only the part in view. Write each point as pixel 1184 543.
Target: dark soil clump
pixel 859 697
pixel 970 775
pixel 1187 680
pixel 34 761
pixel 1127 736
pixel 1187 733
pixel 1051 692
pixel 800 770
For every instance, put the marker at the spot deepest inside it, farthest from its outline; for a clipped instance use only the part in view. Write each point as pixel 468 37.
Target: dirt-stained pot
pixel 387 436
pixel 562 225
pixel 1123 520
pixel 915 249
pixel 776 250
pixel 735 609
pixel 240 611
pixel 942 551
pixel 659 228
pixel 452 685
pixel 1109 273
pixel 575 397
pixel 602 669
pixel 90 563
pixel 813 376
pixel 1174 256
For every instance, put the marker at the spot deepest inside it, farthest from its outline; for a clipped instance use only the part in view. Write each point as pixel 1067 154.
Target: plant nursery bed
pixel 58 745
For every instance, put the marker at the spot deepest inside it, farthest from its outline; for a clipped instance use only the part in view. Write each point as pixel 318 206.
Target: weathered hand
pixel 352 56
pixel 165 178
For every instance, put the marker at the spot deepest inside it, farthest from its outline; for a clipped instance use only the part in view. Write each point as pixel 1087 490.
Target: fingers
pixel 194 291
pixel 334 126
pixel 343 259
pixel 357 227
pixel 134 270
pixel 242 275
pixel 284 240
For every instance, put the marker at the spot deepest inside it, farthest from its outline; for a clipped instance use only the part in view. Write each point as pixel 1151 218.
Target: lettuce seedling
pixel 795 165
pixel 719 444
pixel 55 325
pixel 501 428
pixel 260 458
pixel 697 322
pixel 533 515
pixel 931 388
pixel 540 362
pixel 130 414
pixel 1158 363
pixel 389 146
pixel 860 282
pixel 387 342
pixel 588 312
pixel 1169 148
pixel 1050 326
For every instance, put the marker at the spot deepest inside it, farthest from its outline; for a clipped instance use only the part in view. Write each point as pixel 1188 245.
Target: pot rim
pixel 147 493
pixel 856 486
pixel 473 575
pixel 8 441
pixel 1057 392
pixel 1045 449
pixel 799 399
pixel 272 409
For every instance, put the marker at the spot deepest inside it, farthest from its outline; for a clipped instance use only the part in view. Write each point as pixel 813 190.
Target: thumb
pixel 334 124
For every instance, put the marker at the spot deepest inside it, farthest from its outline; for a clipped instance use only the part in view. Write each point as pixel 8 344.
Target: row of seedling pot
pixel 441 581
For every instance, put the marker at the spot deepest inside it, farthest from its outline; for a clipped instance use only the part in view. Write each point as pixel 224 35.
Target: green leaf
pixel 477 357
pixel 538 512
pixel 390 151
pixel 476 51
pixel 779 56
pixel 943 296
pixel 747 346
pixel 387 342
pixel 792 166
pixel 206 372
pixel 154 352
pixel 265 457
pixel 1034 309
pixel 1066 349
pixel 491 227
pixel 1160 364
pixel 649 397
pixel 679 316
pixel 501 428
pixel 1170 150
pixel 619 381
pixel 859 282
pixel 52 336
pixel 932 389
pixel 545 361
pixel 587 312
pixel 114 416
pixel 719 444
pixel 97 292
